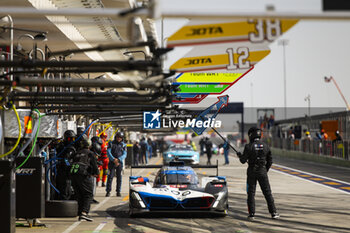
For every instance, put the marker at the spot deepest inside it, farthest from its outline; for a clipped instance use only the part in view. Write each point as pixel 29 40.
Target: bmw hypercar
pixel 176 189
pixel 181 153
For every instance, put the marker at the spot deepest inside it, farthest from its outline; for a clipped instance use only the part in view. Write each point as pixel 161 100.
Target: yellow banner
pixel 208 77
pixel 188 64
pixel 250 30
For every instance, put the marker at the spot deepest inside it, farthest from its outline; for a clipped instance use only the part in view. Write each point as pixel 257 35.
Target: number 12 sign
pixel 223 58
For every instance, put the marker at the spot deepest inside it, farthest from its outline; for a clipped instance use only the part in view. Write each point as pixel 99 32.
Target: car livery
pixel 181 153
pixel 176 189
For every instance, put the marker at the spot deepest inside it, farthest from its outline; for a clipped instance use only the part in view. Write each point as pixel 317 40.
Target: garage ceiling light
pixel 70 31
pixel 63 24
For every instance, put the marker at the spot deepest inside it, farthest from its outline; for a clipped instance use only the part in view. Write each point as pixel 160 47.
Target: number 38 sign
pixel 229 47
pixel 255 31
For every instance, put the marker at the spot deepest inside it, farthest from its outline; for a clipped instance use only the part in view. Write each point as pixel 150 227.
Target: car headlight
pixel 138 198
pixel 170 155
pixel 221 194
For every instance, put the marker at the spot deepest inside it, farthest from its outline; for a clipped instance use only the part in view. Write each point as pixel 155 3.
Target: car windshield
pixel 180 147
pixel 181 177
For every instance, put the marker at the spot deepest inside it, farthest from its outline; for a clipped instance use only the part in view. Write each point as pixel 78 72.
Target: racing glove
pixel 267 168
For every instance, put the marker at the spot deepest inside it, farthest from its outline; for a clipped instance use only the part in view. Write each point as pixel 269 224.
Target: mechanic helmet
pixel 103 135
pixel 84 142
pixel 253 133
pixel 96 143
pixel 69 136
pixel 119 135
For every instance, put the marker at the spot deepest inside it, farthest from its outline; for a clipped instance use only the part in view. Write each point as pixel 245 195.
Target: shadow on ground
pixel 311 215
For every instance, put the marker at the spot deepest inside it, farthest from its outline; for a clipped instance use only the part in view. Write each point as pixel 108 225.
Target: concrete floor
pixel 304 207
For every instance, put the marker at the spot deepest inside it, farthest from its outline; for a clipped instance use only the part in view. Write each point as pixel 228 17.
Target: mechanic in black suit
pixel 258 156
pixel 65 152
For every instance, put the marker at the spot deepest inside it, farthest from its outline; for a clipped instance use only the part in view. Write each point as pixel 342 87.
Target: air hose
pixel 19 133
pixel 90 127
pixel 48 178
pixel 115 131
pixel 107 127
pixel 35 139
pixel 44 147
pixel 98 123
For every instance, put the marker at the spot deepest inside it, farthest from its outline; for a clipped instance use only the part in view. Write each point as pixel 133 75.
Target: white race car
pixel 176 189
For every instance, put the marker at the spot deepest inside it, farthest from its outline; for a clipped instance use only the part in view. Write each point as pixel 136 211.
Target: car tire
pixel 61 208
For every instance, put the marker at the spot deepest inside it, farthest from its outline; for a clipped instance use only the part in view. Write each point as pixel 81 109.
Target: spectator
pixel 291 134
pixel 154 148
pixel 162 146
pixel 208 148
pixel 337 136
pixel 136 153
pixel 226 147
pixel 143 151
pixel 307 135
pixel 202 145
pixel 337 144
pixel 324 135
pixel 149 148
pixel 271 121
pixel 318 136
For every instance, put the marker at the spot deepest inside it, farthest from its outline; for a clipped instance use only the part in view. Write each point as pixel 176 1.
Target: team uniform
pixel 258 156
pixel 103 161
pixel 83 168
pixel 116 151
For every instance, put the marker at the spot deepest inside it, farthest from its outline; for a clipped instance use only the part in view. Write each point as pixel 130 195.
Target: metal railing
pixel 338 149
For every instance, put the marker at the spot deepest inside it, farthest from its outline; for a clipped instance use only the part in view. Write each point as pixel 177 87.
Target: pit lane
pixel 304 206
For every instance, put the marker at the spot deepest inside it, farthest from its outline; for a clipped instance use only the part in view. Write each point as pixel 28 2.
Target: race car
pixel 176 189
pixel 182 153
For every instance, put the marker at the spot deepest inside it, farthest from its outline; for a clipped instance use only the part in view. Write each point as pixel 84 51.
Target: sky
pixel 316 49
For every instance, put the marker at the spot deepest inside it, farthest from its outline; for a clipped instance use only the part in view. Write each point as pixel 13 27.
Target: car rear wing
pixel 160 166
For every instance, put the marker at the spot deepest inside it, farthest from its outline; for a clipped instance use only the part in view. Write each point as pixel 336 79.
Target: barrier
pixel 336 149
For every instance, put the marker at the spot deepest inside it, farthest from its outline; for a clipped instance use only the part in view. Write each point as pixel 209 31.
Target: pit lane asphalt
pixel 304 206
